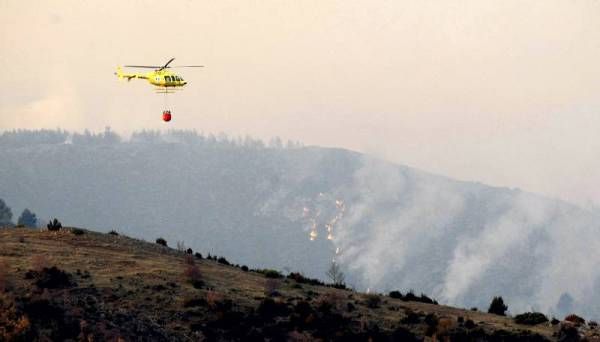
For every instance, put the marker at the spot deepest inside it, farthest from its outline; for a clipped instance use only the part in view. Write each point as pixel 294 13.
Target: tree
pixel 497 307
pixel 54 225
pixel 335 274
pixel 5 214
pixel 27 219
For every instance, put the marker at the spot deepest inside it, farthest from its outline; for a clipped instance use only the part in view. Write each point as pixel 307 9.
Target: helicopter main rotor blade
pixel 187 66
pixel 143 66
pixel 167 64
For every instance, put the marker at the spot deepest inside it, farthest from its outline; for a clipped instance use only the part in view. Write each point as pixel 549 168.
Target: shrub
pixel 189 251
pixel 395 294
pixel 469 324
pixel 410 318
pixel 531 318
pixel 431 320
pixel 329 301
pixel 497 307
pixel 573 318
pixel 193 275
pixel 245 268
pixel 568 332
pixel 113 232
pixel 425 299
pixel 410 297
pixel 340 286
pixel 269 308
pixel 51 278
pixel 161 242
pixel 192 272
pixel 272 274
pixel 54 225
pixel 77 231
pixel 198 255
pixel 223 261
pixel 593 324
pixel 554 321
pixel 300 278
pixel 373 301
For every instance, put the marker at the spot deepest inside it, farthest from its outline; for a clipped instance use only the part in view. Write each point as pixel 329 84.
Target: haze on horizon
pixel 504 93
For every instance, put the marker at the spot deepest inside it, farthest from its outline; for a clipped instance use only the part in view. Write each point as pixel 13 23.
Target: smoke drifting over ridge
pixel 464 243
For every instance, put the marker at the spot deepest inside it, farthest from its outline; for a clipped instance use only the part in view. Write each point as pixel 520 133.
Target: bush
pixel 425 299
pixel 198 255
pixel 51 278
pixel 300 278
pixel 192 272
pixel 329 301
pixel 410 297
pixel 223 261
pixel 410 318
pixel 269 308
pixel 531 318
pixel 395 294
pixel 373 301
pixel 245 268
pixel 54 225
pixel 189 251
pixel 272 274
pixel 497 307
pixel 469 324
pixel 573 318
pixel 161 242
pixel 77 231
pixel 113 232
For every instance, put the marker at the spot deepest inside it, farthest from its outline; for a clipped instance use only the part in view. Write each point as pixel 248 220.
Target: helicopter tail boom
pixel 121 75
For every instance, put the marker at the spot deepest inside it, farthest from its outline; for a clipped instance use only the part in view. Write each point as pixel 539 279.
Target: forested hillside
pixel 286 206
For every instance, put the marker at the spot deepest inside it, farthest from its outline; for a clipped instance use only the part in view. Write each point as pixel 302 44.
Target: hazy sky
pixel 502 92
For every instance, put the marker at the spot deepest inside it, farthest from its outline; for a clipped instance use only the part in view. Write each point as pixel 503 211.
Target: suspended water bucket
pixel 166 115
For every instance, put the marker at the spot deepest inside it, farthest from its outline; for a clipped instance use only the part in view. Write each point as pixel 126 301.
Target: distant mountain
pixel 391 227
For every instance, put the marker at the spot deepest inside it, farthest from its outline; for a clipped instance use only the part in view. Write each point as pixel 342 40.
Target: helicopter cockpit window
pixel 168 78
pixel 177 78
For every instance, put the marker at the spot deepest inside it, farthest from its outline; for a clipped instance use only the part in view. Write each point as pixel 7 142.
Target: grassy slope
pixel 136 288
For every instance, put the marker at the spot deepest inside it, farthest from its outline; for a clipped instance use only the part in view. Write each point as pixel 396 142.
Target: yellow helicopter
pixel 160 77
pixel 165 80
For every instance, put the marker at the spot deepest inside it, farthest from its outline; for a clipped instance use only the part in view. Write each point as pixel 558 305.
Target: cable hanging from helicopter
pixel 165 81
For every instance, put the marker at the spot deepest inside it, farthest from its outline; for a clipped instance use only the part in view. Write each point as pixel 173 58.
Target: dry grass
pixel 147 279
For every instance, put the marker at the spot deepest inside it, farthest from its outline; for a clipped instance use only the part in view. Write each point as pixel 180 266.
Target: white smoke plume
pixel 464 243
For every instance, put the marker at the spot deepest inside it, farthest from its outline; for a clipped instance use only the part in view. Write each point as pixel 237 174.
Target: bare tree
pixel 335 274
